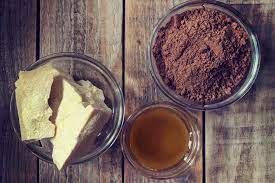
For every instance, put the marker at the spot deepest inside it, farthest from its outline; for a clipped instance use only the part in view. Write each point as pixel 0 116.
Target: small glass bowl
pixel 189 158
pixel 80 67
pixel 231 12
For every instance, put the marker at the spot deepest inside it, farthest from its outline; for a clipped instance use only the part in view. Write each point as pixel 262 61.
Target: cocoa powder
pixel 202 54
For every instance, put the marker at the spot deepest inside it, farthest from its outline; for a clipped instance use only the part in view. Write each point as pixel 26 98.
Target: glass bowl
pixel 255 61
pixel 188 159
pixel 80 67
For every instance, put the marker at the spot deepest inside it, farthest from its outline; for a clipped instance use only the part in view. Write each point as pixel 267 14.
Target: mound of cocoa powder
pixel 202 54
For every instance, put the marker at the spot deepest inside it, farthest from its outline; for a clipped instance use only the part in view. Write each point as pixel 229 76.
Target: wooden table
pixel 239 143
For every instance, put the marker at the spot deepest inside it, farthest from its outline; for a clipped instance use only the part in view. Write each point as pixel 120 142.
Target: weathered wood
pixel 240 138
pixel 140 18
pixel 94 28
pixel 17 50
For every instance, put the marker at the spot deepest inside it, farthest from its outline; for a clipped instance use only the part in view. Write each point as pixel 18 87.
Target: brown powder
pixel 202 54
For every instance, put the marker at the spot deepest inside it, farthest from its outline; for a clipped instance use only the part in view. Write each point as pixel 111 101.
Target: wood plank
pixel 17 50
pixel 240 138
pixel 140 18
pixel 94 28
pixel 248 1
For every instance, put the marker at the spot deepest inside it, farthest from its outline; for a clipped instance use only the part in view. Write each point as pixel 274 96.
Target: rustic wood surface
pixel 93 28
pixel 240 139
pixel 140 18
pixel 17 50
pixel 240 144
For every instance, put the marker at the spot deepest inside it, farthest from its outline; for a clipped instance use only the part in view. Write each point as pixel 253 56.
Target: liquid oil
pixel 159 138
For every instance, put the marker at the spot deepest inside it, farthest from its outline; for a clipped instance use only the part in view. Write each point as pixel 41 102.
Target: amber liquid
pixel 159 138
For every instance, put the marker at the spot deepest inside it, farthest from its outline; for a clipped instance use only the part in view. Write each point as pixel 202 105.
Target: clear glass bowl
pixel 80 67
pixel 231 12
pixel 189 158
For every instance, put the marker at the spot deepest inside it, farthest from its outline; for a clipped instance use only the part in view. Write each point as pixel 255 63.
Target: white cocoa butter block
pixel 32 93
pixel 79 114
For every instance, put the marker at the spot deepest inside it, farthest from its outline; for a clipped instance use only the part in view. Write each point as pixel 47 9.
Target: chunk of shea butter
pixel 32 93
pixel 78 118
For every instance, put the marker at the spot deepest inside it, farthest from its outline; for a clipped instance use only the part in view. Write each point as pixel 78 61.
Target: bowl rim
pixel 89 60
pixel 248 81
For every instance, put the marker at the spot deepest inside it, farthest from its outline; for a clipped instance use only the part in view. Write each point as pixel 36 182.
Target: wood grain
pixel 240 139
pixel 94 28
pixel 140 18
pixel 17 50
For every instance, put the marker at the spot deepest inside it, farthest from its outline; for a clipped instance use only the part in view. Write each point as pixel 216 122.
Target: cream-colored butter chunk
pixel 77 116
pixel 32 93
